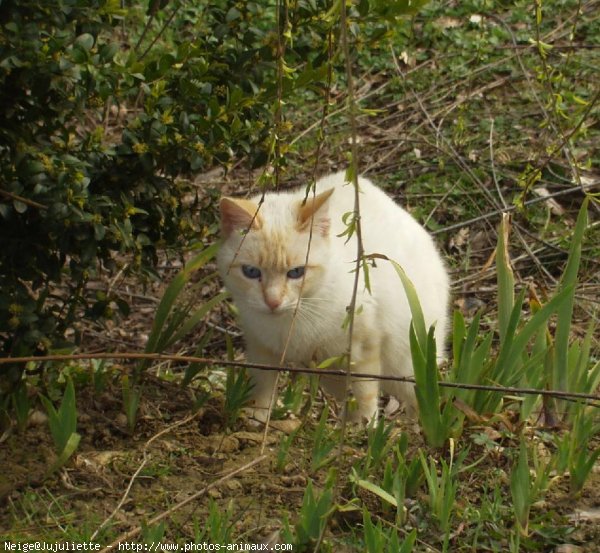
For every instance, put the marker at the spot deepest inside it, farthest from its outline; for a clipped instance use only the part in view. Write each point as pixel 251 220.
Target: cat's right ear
pixel 314 211
pixel 238 215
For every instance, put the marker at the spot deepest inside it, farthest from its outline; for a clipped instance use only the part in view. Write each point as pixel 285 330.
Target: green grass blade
pixel 164 308
pixel 377 490
pixel 414 304
pixel 62 422
pixel 463 360
pixel 427 389
pixel 506 344
pixel 458 336
pixel 520 487
pixel 164 325
pixel 168 301
pixel 409 542
pixel 532 327
pixel 194 368
pixel 565 313
pixel 53 423
pixel 70 446
pixel 67 412
pixel 195 318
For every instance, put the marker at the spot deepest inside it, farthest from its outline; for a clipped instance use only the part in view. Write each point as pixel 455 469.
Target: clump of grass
pixel 311 520
pixel 378 539
pixel 63 426
pixel 174 319
pixel 238 388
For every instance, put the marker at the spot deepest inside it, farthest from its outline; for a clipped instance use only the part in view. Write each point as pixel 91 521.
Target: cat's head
pixel 263 255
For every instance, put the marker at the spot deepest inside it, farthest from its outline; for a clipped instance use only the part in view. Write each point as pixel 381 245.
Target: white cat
pixel 263 261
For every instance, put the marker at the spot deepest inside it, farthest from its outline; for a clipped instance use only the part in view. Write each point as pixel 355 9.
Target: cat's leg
pixel 262 381
pixel 397 361
pixel 366 358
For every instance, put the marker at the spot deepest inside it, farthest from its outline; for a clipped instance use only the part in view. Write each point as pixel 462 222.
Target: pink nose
pixel 272 303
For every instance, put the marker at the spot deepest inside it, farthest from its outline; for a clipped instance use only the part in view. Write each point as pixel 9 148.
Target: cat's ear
pixel 238 214
pixel 315 210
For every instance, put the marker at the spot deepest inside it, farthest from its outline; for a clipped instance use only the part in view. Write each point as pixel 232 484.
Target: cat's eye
pixel 296 272
pixel 250 271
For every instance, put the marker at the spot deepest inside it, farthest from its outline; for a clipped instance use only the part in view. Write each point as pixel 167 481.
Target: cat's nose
pixel 272 302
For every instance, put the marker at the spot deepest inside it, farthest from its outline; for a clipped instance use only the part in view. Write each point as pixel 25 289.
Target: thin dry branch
pixel 584 187
pixel 135 531
pixel 21 199
pixel 302 370
pixel 139 469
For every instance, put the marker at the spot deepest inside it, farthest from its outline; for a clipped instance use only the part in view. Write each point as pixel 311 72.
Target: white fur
pixel 380 341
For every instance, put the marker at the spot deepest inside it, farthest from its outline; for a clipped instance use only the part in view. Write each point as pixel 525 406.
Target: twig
pixel 139 469
pixel 302 370
pixel 18 198
pixel 159 34
pixel 193 497
pixel 144 31
pixel 510 208
pixel 281 45
pixel 123 498
pixel 354 164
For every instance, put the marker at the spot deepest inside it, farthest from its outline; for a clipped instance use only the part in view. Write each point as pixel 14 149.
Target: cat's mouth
pixel 279 310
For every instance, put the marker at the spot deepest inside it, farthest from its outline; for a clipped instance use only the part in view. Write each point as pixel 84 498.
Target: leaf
pixel 458 336
pixel 409 542
pixel 509 356
pixel 520 487
pixel 85 41
pixel 70 446
pixel 326 363
pixel 375 489
pixel 565 312
pixel 62 422
pixel 158 336
pixel 414 304
pixel 196 317
pixel 20 207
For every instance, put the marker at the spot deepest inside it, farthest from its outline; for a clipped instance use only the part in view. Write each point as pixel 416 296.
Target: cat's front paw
pixel 362 413
pixel 259 414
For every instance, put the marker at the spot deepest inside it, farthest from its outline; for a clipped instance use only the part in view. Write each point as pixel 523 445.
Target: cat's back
pixel 387 227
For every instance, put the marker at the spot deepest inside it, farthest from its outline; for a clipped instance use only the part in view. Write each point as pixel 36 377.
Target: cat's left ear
pixel 315 210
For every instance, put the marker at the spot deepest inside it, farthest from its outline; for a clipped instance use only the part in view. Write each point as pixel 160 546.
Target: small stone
pixel 234 485
pixel 214 493
pixel 568 548
pixel 38 418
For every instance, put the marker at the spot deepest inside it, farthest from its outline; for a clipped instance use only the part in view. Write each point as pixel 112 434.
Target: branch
pixel 301 370
pixel 18 198
pixel 203 491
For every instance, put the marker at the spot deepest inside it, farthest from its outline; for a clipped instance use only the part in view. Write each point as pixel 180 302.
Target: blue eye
pixel 296 272
pixel 250 271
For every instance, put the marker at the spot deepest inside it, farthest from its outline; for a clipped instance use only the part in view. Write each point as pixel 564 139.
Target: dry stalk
pixel 139 469
pixel 135 531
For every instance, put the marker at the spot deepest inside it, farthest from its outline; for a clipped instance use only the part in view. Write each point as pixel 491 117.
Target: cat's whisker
pixel 314 299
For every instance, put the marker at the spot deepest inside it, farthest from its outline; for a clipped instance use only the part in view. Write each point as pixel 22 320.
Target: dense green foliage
pixel 95 126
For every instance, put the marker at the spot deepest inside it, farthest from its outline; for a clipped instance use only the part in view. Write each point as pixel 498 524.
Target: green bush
pixel 80 190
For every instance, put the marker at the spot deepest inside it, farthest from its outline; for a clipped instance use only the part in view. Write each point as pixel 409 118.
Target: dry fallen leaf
pixel 588 515
pixel 554 206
